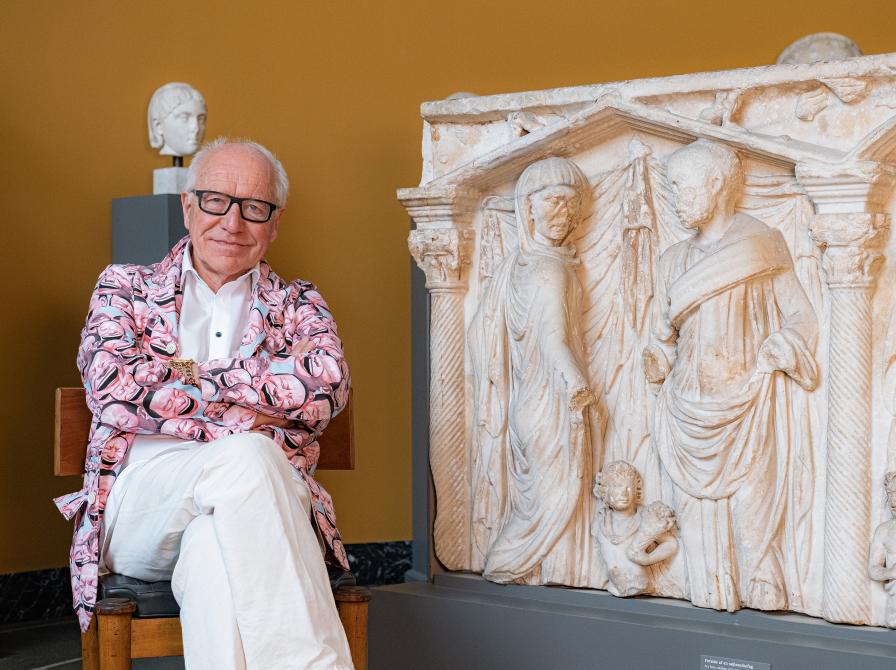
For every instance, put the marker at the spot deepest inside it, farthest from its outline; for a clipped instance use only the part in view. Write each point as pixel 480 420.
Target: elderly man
pixel 209 378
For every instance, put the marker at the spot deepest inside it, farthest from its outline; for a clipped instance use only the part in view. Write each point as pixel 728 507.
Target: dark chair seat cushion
pixel 155 599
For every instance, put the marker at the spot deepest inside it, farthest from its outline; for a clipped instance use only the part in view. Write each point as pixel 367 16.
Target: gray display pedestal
pixel 456 621
pixel 144 228
pixel 463 621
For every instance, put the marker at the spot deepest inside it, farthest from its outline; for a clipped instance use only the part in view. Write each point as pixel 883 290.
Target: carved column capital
pixel 855 187
pixel 443 254
pixel 850 246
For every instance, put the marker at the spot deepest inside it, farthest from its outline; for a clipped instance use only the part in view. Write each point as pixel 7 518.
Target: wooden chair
pixel 120 631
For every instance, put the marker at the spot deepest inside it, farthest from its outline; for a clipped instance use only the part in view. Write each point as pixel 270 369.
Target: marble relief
pixel 679 290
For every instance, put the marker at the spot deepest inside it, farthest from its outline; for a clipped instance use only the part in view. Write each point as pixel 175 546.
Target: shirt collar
pixel 188 270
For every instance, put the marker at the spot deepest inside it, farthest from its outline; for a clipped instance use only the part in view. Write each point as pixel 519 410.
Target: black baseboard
pixel 46 594
pixel 39 594
pixel 379 563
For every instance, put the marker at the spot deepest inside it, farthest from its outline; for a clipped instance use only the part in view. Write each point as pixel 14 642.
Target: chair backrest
pixel 72 426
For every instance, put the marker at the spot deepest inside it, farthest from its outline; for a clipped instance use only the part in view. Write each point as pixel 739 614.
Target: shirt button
pixel 218 334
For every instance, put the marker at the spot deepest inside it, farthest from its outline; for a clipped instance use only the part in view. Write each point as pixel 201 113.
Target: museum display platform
pixel 463 621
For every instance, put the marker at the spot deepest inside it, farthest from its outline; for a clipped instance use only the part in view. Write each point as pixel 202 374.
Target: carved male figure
pixel 176 119
pixel 630 537
pixel 882 556
pixel 531 462
pixel 210 379
pixel 732 332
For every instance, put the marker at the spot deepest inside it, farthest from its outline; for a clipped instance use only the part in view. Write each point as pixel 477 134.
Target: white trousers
pixel 228 523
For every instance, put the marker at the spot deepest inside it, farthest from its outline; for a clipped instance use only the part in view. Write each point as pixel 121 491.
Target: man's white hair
pixel 281 181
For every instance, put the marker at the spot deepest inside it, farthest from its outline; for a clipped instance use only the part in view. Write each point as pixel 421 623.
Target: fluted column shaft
pixel 444 254
pixel 849 259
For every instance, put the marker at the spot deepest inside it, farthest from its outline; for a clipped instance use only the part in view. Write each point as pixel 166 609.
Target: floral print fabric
pixel 290 366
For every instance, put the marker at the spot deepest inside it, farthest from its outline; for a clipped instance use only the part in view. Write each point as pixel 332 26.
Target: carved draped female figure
pixel 530 447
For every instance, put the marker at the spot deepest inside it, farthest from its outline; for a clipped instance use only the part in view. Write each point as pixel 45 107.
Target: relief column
pixel 443 251
pixel 848 202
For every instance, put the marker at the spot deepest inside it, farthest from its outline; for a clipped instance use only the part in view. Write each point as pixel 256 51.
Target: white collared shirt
pixel 210 326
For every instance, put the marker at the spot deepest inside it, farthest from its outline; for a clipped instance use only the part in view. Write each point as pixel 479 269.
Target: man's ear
pixel 185 205
pixel 275 220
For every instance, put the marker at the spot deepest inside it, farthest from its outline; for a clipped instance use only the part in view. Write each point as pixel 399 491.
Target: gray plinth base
pixel 465 622
pixel 144 228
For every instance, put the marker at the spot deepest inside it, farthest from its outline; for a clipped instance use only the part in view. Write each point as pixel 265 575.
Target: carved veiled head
pixel 890 488
pixel 551 196
pixel 176 119
pixel 702 177
pixel 619 486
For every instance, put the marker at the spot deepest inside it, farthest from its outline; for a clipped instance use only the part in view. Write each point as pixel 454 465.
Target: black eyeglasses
pixel 218 204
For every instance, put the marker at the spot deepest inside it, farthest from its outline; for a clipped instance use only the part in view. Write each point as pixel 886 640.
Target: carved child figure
pixel 882 557
pixel 630 537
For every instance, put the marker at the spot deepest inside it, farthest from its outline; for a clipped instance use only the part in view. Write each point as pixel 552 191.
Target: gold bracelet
pixel 184 366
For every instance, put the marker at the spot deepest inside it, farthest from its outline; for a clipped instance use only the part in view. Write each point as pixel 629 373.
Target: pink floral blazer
pixel 290 366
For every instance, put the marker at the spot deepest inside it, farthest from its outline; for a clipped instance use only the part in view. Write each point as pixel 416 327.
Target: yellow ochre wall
pixel 333 87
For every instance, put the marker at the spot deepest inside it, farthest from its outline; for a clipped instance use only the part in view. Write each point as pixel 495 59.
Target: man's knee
pixel 251 454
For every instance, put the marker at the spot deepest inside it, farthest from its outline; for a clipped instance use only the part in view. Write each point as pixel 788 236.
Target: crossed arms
pixel 299 376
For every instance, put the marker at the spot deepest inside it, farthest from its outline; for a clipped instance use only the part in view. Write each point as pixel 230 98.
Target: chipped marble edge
pixel 483 109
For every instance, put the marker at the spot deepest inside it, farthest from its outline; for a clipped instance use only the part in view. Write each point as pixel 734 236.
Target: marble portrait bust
pixel 176 119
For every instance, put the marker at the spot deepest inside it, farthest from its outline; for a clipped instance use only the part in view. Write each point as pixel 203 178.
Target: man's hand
pixel 265 420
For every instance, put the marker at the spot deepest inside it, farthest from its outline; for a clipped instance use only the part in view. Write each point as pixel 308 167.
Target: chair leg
pixel 351 603
pixel 90 659
pixel 114 623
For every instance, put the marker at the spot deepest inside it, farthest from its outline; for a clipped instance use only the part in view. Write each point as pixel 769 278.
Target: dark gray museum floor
pixel 56 645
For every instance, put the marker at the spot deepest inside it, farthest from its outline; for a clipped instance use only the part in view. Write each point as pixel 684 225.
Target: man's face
pixel 170 403
pixel 284 390
pixel 226 247
pixel 693 191
pixel 184 128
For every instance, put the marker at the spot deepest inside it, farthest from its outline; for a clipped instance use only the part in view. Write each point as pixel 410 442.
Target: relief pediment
pixel 783 104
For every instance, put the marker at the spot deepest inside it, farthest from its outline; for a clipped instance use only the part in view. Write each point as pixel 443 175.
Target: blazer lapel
pixel 255 331
pixel 164 297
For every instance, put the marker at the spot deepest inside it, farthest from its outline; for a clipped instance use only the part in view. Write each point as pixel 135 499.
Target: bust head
pixel 551 197
pixel 619 486
pixel 819 47
pixel 176 119
pixel 703 176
